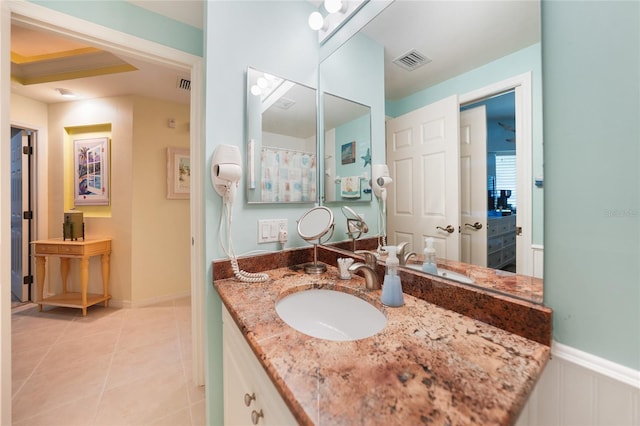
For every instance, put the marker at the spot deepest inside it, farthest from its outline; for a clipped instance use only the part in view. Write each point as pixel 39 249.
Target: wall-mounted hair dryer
pixel 226 171
pixel 380 180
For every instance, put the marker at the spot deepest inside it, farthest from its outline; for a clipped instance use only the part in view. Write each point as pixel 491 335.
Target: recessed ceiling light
pixel 66 93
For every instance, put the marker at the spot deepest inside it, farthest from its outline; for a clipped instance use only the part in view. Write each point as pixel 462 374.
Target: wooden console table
pixel 67 250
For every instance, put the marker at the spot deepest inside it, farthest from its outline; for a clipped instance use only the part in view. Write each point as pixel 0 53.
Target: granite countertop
pixel 521 286
pixel 429 365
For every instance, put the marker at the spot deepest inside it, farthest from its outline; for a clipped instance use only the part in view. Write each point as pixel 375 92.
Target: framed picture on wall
pixel 91 172
pixel 178 173
pixel 349 153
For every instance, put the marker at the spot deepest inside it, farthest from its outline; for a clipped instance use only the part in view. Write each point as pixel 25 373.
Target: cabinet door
pixel 244 375
pixel 235 387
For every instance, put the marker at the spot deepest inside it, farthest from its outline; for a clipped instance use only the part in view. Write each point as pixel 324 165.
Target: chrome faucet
pixel 403 257
pixel 370 258
pixel 370 276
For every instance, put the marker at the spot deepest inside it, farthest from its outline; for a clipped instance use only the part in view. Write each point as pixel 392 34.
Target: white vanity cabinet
pixel 501 241
pixel 250 398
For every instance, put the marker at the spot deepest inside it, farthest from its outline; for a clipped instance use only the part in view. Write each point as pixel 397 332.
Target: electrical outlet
pixel 269 230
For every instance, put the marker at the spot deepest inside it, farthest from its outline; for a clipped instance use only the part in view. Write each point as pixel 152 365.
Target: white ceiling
pixel 457 35
pixel 150 80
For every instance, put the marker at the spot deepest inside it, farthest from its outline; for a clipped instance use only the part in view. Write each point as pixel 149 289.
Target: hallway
pixel 112 367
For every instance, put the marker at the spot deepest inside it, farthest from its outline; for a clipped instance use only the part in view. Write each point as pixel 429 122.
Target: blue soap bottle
pixel 429 266
pixel 391 287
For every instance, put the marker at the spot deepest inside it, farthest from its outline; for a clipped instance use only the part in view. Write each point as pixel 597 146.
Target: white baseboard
pixel 578 388
pixel 119 303
pixel 538 260
pixel 596 364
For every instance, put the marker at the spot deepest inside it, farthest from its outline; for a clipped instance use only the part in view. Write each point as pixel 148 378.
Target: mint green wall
pixel 520 62
pixel 591 69
pixel 128 18
pixel 285 47
pixel 358 130
pixel 273 37
pixel 356 71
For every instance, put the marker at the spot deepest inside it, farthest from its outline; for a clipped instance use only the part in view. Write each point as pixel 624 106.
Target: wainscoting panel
pixel 538 260
pixel 578 389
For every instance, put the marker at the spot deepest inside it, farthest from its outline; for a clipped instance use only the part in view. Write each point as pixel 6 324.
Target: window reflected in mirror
pixel 282 140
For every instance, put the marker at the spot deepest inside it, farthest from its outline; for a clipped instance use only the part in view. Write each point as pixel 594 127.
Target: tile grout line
pixel 93 415
pixel 106 377
pixel 184 373
pixel 15 397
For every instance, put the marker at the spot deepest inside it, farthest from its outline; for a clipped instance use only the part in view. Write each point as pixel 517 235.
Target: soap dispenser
pixel 391 287
pixel 429 265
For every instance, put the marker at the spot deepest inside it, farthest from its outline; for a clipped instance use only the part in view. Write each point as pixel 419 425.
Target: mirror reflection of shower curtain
pixel 287 175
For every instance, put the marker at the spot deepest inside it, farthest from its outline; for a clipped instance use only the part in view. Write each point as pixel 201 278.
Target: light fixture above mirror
pixel 338 12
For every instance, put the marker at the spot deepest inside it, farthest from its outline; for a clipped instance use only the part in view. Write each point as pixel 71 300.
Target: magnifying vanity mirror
pixel 312 227
pixel 281 140
pixel 457 57
pixel 347 150
pixel 356 226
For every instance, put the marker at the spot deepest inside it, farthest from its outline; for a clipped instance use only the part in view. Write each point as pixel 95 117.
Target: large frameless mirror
pixel 493 215
pixel 281 140
pixel 347 150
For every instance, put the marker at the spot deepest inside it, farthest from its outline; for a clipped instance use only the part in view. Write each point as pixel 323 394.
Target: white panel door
pixel 423 160
pixel 473 186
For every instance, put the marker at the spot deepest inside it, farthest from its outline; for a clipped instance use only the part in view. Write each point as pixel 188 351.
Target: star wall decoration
pixel 366 158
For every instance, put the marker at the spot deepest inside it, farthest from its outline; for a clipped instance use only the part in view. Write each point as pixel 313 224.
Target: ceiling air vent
pixel 183 84
pixel 412 60
pixel 284 103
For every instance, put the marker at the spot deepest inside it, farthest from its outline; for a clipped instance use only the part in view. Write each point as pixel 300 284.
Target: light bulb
pixel 333 6
pixel 262 83
pixel 316 21
pixel 255 90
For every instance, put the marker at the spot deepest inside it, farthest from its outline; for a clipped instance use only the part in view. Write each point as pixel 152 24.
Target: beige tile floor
pixel 113 367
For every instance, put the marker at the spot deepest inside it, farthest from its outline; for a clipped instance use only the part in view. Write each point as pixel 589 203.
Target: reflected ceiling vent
pixel 412 60
pixel 284 103
pixel 184 84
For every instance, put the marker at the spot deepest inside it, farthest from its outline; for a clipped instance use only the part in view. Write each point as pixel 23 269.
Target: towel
pixel 350 187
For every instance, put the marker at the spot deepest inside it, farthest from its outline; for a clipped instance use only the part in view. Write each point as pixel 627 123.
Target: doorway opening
pixel 140 51
pixel 518 131
pixel 501 177
pixel 22 214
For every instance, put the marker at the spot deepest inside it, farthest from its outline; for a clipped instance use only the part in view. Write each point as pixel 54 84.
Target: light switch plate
pixel 269 229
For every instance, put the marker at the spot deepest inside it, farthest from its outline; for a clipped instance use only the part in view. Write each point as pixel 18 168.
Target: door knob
pixel 475 226
pixel 448 229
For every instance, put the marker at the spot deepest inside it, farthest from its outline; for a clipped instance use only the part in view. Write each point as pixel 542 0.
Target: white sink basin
pixel 330 315
pixel 445 274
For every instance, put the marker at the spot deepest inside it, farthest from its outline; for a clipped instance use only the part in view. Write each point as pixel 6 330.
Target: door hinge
pixel 28 215
pixel 518 230
pixel 27 150
pixel 28 279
